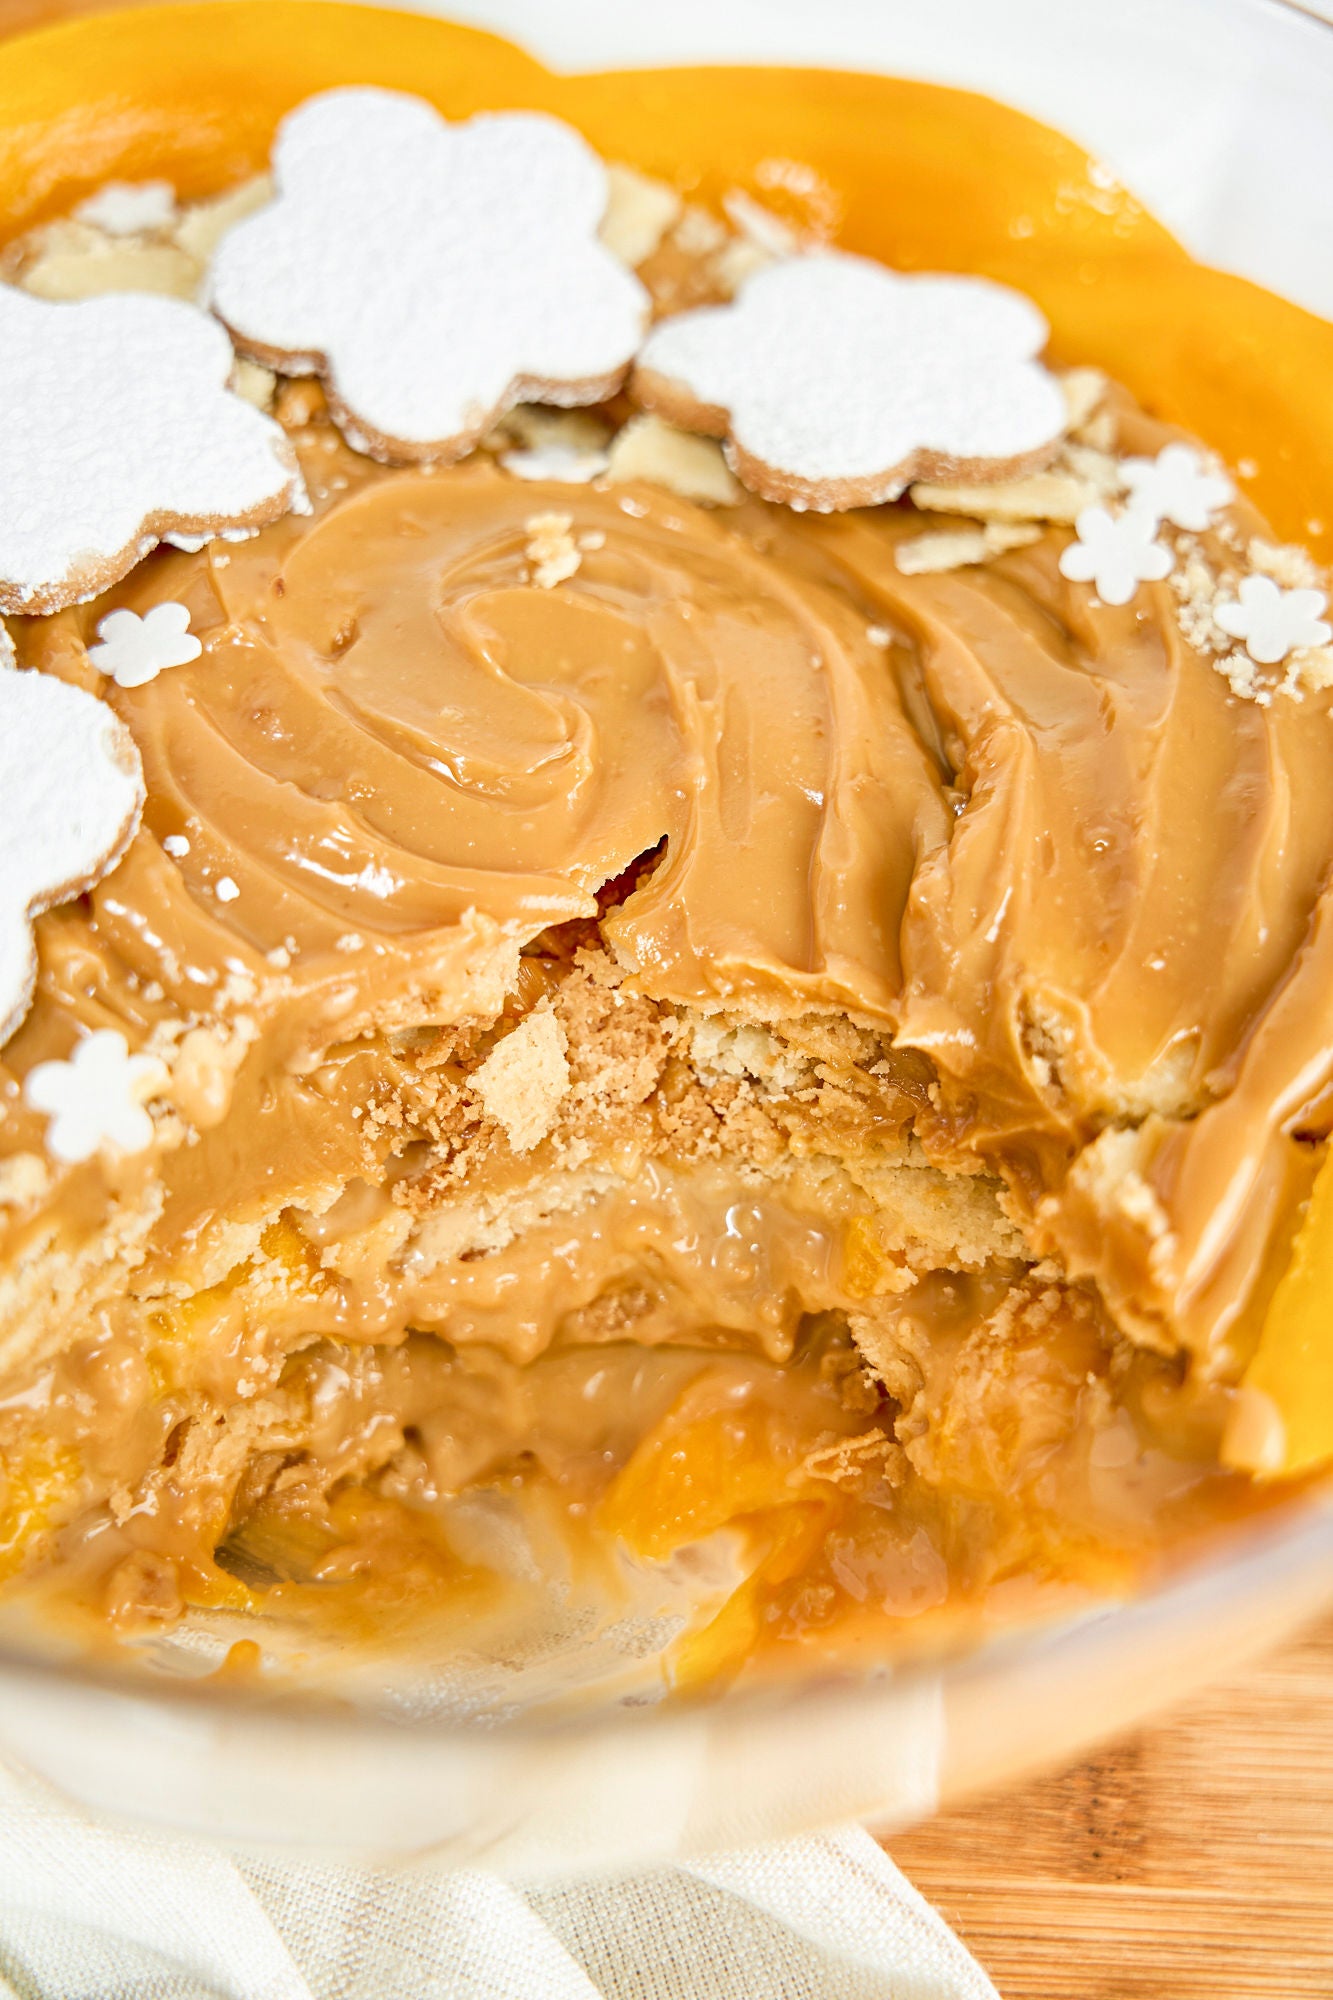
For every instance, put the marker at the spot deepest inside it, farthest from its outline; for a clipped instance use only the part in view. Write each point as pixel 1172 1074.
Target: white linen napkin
pixel 94 1912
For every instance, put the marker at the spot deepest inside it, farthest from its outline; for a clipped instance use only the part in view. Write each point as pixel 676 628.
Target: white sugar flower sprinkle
pixel 134 649
pixel 225 889
pixel 1177 486
pixel 1116 553
pixel 1273 622
pixel 97 1098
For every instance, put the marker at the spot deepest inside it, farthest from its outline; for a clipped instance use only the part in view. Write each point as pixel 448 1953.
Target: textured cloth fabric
pixel 91 1912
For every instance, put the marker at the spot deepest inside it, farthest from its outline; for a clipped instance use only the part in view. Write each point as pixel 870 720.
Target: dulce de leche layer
pixel 1036 837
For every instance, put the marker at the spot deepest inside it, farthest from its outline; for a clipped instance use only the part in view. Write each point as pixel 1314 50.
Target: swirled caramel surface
pixel 1035 838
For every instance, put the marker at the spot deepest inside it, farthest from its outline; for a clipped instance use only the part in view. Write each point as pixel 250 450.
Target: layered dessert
pixel 660 991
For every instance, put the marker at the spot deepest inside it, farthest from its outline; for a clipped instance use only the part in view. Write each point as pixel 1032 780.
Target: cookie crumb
pixel 693 467
pixel 697 233
pixel 24 1177
pixel 1293 568
pixel 203 224
pixel 71 260
pixel 639 212
pixel 551 549
pixel 253 384
pixel 1041 496
pixel 524 1078
pixel 1084 392
pixel 960 548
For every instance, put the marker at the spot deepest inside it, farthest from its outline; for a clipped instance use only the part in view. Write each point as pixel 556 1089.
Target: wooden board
pixel 1194 1861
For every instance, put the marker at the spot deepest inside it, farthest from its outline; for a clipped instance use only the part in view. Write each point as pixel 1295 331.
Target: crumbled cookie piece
pixel 568 446
pixel 128 238
pixel 523 1079
pixel 1196 588
pixel 551 549
pixel 1291 567
pixel 73 260
pixel 253 384
pixel 960 548
pixel 1079 479
pixel 1092 418
pixel 24 1177
pixel 735 264
pixel 650 448
pixel 697 233
pixel 532 427
pixel 639 212
pixel 204 223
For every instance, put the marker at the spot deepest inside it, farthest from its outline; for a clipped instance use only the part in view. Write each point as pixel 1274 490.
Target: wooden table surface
pixel 1192 1861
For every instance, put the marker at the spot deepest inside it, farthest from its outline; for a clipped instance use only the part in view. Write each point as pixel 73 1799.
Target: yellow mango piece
pixel 867 1267
pixel 731 1637
pixel 1283 1423
pixel 289 1274
pixel 689 1478
pixel 37 1481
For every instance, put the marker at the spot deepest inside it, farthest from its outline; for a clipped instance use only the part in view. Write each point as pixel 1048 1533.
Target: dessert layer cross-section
pixel 704 1014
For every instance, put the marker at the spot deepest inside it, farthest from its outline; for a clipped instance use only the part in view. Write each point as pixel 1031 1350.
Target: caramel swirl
pixel 394 726
pixel 1035 837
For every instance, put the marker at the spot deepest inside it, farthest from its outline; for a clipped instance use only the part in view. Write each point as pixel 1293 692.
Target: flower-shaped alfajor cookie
pixel 432 274
pixel 71 792
pixel 118 428
pixel 836 381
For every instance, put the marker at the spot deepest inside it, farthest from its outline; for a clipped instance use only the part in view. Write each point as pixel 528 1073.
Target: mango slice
pixel 1283 1423
pixel 690 1476
pixel 38 1483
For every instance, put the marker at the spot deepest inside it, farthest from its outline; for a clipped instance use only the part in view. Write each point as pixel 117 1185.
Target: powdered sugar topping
pixel 837 381
pixel 71 792
pixel 434 274
pixel 119 429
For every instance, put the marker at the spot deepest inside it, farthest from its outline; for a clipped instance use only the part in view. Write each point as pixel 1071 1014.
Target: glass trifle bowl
pixel 559 1749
